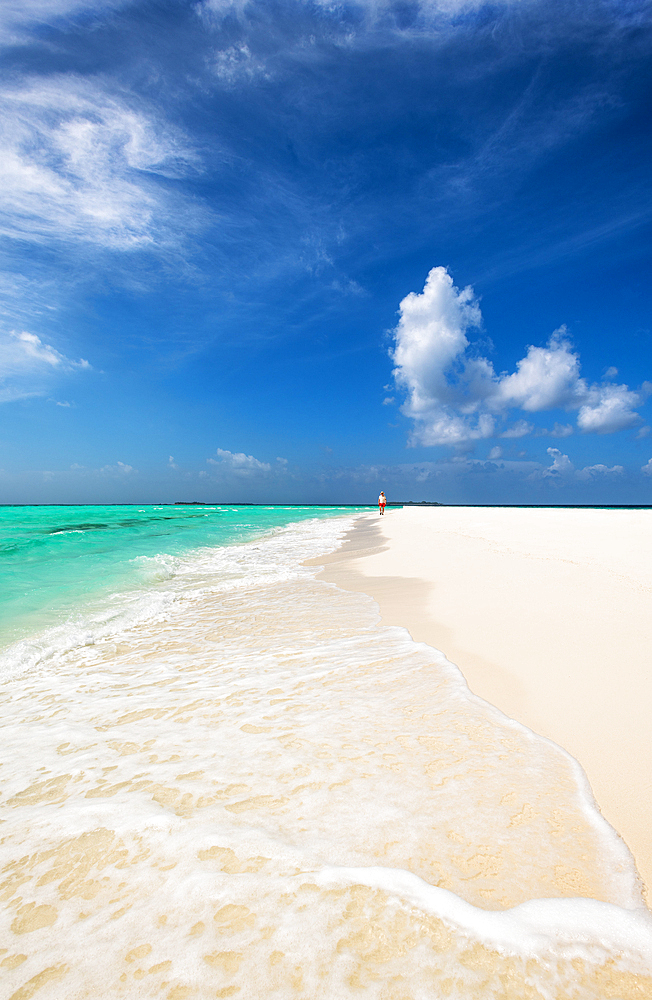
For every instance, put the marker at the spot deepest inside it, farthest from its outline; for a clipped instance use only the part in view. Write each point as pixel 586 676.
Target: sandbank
pixel 548 614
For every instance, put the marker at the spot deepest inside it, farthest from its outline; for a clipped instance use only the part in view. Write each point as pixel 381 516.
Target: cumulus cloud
pixel 647 468
pixel 599 471
pixel 561 464
pixel 562 467
pixel 610 408
pixel 238 462
pixel 455 396
pixel 27 365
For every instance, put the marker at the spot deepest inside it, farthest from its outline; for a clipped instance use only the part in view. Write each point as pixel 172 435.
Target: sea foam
pixel 236 783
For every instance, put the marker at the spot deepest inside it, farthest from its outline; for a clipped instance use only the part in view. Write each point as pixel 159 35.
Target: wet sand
pixel 547 613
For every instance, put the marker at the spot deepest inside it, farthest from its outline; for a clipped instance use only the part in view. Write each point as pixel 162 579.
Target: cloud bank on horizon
pixel 454 395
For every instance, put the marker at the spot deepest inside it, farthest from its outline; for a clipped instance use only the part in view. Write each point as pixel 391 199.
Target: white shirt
pixel 382 498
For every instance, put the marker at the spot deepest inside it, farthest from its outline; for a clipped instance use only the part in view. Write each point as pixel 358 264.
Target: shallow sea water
pixel 254 790
pixel 55 560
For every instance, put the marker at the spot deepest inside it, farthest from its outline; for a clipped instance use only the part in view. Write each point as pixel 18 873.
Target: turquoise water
pixel 55 559
pixel 210 748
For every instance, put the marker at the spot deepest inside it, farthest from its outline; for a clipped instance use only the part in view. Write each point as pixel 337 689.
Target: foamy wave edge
pixel 569 926
pixel 276 555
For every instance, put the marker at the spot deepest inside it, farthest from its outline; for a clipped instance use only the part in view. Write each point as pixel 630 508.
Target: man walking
pixel 382 500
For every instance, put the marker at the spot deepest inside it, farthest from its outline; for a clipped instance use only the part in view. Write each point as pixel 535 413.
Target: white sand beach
pixel 242 785
pixel 547 613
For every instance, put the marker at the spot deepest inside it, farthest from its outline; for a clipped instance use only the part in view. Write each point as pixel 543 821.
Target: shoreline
pixel 257 782
pixel 545 613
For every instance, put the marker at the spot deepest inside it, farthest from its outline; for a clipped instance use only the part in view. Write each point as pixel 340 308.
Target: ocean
pixel 222 777
pixel 58 562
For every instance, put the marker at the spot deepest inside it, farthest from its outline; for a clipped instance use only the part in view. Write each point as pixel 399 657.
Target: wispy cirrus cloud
pixel 28 366
pixel 479 159
pixel 17 17
pixel 455 396
pixel 237 63
pixel 83 163
pixel 360 15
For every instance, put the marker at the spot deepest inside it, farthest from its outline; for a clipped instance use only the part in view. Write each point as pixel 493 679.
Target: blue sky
pixel 302 251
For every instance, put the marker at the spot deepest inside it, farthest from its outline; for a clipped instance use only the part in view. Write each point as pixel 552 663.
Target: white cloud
pixel 359 14
pixel 236 63
pixel 81 164
pixel 27 365
pixel 561 464
pixel 609 408
pixel 455 396
pixel 18 15
pixel 430 339
pixel 647 468
pixel 496 452
pixel 598 471
pixel 562 467
pixel 546 378
pixel 119 469
pixel 518 430
pixel 25 351
pixel 238 462
pixel 283 461
pixel 171 463
pixel 561 431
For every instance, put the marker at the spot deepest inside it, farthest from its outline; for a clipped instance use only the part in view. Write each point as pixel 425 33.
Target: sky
pixel 302 251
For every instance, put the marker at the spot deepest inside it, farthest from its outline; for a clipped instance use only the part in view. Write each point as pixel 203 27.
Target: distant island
pixel 415 503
